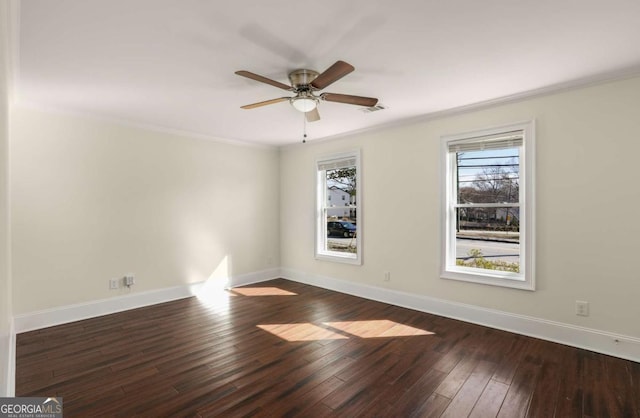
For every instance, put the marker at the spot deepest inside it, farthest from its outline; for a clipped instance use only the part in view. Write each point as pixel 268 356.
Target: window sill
pixel 339 258
pixel 489 279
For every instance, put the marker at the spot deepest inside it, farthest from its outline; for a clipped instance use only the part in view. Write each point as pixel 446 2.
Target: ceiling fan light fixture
pixel 304 104
pixel 307 85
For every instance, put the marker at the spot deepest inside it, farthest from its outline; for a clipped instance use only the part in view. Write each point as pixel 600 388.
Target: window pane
pixel 488 176
pixel 488 238
pixel 341 192
pixel 344 178
pixel 341 215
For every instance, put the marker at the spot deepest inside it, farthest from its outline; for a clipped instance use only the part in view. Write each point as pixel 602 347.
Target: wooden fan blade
pixel 332 74
pixel 266 102
pixel 262 79
pixel 353 100
pixel 312 115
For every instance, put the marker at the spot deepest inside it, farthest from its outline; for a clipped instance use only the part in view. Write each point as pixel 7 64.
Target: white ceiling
pixel 170 64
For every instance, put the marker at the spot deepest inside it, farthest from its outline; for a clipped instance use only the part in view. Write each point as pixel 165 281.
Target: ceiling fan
pixel 305 84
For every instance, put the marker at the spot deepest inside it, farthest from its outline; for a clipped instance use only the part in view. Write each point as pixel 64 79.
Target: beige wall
pixel 5 276
pixel 587 230
pixel 93 200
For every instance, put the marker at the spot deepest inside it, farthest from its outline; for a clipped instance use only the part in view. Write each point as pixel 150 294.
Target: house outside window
pixel 338 194
pixel 338 212
pixel 488 206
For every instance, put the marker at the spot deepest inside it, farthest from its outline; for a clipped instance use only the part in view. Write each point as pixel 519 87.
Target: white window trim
pixel 527 214
pixel 321 222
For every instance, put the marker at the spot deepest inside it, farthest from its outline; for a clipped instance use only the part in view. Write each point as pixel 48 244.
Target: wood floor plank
pixel 432 407
pixel 600 393
pixel 282 348
pixel 509 364
pixel 570 394
pixel 466 398
pixel 634 376
pixel 457 377
pixel 525 378
pixel 545 395
pixel 389 390
pixel 413 401
pixel 620 383
pixel 368 375
pixel 490 401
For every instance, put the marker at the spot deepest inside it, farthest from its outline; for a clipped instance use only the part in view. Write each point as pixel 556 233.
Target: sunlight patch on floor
pixel 262 291
pixel 301 332
pixel 376 328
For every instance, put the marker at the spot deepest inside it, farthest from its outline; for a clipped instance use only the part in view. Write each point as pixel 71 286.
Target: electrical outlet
pixel 129 280
pixel 114 284
pixel 387 276
pixel 582 308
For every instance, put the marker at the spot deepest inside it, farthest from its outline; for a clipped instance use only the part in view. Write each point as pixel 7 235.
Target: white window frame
pixel 449 270
pixel 321 253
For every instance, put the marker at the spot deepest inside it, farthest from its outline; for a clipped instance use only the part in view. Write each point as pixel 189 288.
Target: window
pixel 338 220
pixel 488 206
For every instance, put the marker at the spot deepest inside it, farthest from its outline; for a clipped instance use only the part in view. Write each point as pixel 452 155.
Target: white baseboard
pixel 8 381
pixel 70 313
pixel 11 372
pixel 604 342
pixel 56 316
pixel 255 277
pixel 616 345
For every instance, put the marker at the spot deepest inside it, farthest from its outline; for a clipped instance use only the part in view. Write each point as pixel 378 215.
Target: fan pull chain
pixel 304 128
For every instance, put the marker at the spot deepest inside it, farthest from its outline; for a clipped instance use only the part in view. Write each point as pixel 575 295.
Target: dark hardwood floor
pixel 286 349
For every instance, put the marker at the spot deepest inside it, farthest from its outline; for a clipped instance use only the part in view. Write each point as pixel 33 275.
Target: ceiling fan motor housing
pixel 302 78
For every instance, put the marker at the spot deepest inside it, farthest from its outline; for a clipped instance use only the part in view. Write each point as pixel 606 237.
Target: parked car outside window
pixel 341 229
